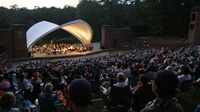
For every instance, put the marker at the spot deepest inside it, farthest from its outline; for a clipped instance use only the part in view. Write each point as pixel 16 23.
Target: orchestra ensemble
pixel 62 48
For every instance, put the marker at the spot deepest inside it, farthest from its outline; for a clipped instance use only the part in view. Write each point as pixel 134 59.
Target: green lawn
pixel 183 98
pixel 188 104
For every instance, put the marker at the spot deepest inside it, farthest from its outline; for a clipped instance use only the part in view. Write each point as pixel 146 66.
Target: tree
pixel 163 17
pixel 90 11
pixel 36 7
pixel 15 7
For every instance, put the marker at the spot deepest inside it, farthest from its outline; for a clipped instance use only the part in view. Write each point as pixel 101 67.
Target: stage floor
pixel 96 49
pixel 68 54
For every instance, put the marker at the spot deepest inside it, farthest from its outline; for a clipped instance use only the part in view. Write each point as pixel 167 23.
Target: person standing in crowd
pixel 7 102
pixel 164 87
pixel 80 93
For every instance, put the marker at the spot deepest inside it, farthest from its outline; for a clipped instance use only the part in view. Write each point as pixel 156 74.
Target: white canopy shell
pixel 78 28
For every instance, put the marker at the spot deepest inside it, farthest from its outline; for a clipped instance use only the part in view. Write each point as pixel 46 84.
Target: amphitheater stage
pixel 63 56
pixel 72 54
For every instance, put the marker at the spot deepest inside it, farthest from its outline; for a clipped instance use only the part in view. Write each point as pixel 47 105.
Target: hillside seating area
pixel 101 69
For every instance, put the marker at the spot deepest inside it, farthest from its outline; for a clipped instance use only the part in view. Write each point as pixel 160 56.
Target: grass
pixel 97 106
pixel 189 105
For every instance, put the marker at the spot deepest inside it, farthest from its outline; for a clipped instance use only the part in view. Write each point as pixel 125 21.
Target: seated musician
pixel 77 49
pixel 57 50
pixel 81 49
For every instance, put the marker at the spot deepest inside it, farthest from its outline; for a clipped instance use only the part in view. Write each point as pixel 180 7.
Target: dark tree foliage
pixel 161 17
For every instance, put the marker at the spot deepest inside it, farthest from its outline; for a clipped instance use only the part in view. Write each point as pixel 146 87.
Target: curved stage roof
pixel 78 28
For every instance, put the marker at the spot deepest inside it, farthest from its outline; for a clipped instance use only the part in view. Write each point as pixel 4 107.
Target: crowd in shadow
pixel 136 80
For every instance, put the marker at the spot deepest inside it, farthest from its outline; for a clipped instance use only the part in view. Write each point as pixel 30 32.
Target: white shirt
pixel 184 77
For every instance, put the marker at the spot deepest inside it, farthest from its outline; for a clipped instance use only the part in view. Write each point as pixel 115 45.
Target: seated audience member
pixel 80 93
pixel 47 100
pixel 179 72
pixel 127 71
pixel 121 78
pixel 141 72
pixel 133 79
pixel 165 64
pixel 142 94
pixel 55 83
pixel 152 67
pixel 104 78
pixel 164 87
pixel 170 68
pixel 3 83
pixel 118 70
pixel 7 102
pixel 36 92
pixel 185 74
pixel 118 93
pixel 143 82
pixel 192 69
pixel 39 79
pixel 56 69
pixel 12 77
pixel 24 83
pixel 26 86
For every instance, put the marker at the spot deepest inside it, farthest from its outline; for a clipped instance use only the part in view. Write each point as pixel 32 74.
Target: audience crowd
pixel 41 80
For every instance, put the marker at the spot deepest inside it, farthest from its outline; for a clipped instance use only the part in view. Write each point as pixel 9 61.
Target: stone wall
pixel 194 26
pixel 7 40
pixel 14 41
pixel 20 44
pixel 112 37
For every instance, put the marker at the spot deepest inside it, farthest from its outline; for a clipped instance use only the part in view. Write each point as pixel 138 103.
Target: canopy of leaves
pixel 163 17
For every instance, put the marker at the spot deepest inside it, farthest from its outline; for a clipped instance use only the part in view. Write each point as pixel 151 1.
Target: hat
pixel 166 80
pixel 80 92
